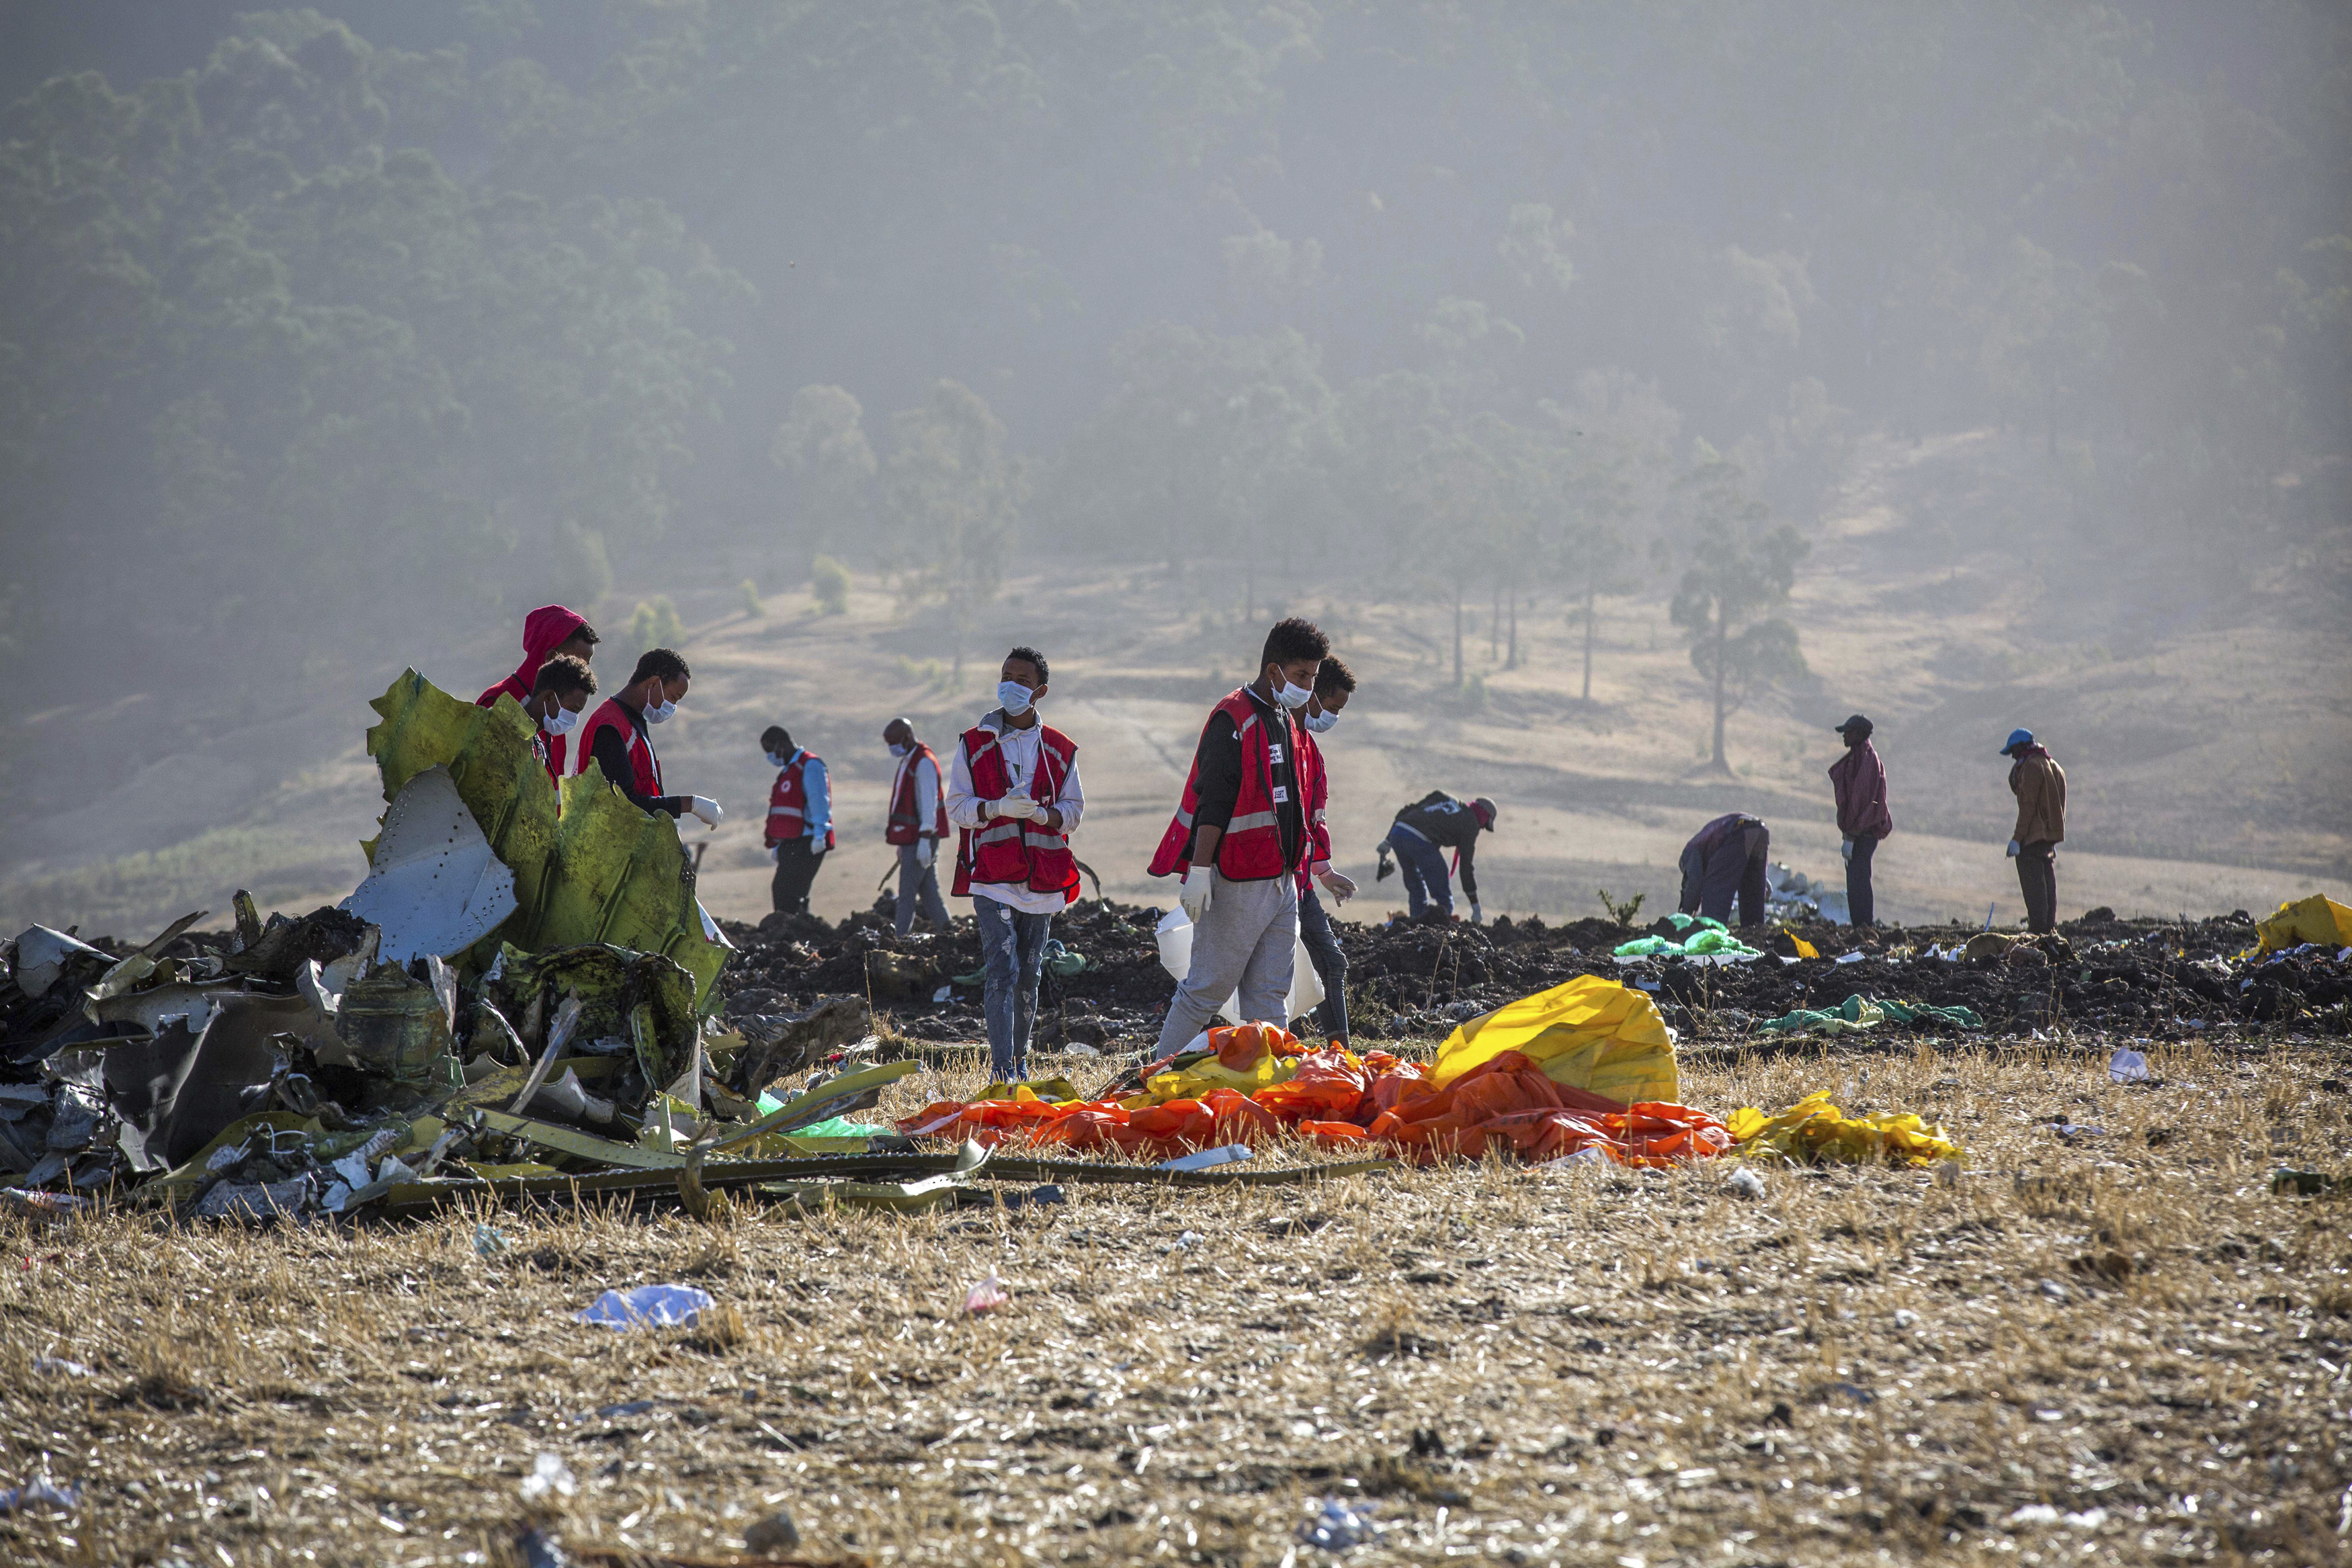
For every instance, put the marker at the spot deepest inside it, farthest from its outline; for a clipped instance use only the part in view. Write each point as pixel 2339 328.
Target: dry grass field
pixel 2113 1346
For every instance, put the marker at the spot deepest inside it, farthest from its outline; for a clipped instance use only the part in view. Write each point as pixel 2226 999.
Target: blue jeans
pixel 1330 964
pixel 1426 879
pixel 1013 950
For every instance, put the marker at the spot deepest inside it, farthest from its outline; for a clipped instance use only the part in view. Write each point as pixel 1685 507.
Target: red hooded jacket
pixel 544 630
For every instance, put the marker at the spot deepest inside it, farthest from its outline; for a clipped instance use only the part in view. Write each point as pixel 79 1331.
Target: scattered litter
pixel 1208 1159
pixel 2128 1066
pixel 773 1536
pixel 52 1207
pixel 488 1242
pixel 2054 1290
pixel 1746 1183
pixel 2034 1513
pixel 548 1474
pixel 1856 957
pixel 2073 1130
pixel 986 1296
pixel 40 1492
pixel 1905 1318
pixel 538 1549
pixel 61 1367
pixel 647 1306
pixel 1339 1525
pixel 1860 1012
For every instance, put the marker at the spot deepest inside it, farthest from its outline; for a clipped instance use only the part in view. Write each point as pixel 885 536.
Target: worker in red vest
pixel 799 818
pixel 549 631
pixel 1334 684
pixel 1014 795
pixel 559 693
pixel 618 737
pixel 918 820
pixel 1240 837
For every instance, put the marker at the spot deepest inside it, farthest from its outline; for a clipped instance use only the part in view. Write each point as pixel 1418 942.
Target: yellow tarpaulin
pixel 1590 1034
pixel 1813 1129
pixel 2314 919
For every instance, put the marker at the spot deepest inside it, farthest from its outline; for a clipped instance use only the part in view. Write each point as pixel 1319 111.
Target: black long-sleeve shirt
pixel 1450 824
pixel 611 753
pixel 1219 781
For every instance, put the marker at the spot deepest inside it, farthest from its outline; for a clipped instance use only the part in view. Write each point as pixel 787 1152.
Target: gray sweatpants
pixel 1244 943
pixel 919 885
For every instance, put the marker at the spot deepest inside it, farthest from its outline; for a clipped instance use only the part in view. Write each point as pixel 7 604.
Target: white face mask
pixel 1290 696
pixel 560 720
pixel 777 762
pixel 655 713
pixel 1012 697
pixel 1320 723
pixel 900 750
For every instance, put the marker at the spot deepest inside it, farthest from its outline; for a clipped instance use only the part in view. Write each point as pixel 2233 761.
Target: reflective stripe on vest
pixel 788 801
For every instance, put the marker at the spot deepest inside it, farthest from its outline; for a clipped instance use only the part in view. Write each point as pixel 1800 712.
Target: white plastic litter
pixel 1175 932
pixel 548 1474
pixel 648 1306
pixel 2128 1066
pixel 1223 1154
pixel 1339 1525
pixel 1746 1183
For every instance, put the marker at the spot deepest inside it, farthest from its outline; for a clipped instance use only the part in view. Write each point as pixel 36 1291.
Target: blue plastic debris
pixel 1339 1525
pixel 648 1306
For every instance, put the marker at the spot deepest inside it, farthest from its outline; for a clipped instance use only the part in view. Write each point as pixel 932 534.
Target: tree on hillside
pixel 1738 577
pixel 822 444
pixel 1596 499
pixel 951 497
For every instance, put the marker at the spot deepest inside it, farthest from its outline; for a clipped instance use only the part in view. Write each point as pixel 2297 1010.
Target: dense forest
pixel 368 319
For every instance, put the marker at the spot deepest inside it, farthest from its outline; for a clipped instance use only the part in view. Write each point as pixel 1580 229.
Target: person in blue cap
pixel 2040 786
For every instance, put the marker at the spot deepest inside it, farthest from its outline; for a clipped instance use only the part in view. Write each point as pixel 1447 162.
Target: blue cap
pixel 2017 737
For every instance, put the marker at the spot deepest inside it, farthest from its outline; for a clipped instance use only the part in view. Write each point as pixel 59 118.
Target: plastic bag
pixel 1175 932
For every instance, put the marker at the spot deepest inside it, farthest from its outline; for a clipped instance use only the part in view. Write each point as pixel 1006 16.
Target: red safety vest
pixel 1314 788
pixel 906 814
pixel 1251 849
pixel 788 802
pixel 642 764
pixel 1013 849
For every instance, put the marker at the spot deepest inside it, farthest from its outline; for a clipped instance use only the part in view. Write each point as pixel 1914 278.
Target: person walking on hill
pixel 1334 684
pixel 557 695
pixel 618 737
pixel 1239 841
pixel 800 818
pixel 918 820
pixel 1859 779
pixel 1724 857
pixel 549 631
pixel 1420 834
pixel 2040 786
pixel 1013 797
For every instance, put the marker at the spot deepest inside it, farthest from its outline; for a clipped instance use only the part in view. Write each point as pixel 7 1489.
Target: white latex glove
pixel 704 806
pixel 2012 849
pixel 924 849
pixel 1194 896
pixel 1845 850
pixel 1477 915
pixel 776 853
pixel 1019 806
pixel 1340 887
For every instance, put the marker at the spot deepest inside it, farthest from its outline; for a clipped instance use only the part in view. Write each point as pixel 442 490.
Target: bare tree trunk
pixel 1494 625
pixel 1722 640
pixel 1588 639
pixel 1513 661
pixel 1457 633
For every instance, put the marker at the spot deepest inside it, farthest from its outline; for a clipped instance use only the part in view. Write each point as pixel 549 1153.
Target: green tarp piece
pixel 1705 936
pixel 600 872
pixel 1858 1012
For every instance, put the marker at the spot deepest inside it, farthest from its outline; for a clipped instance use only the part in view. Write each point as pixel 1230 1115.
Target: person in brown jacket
pixel 2040 786
pixel 1860 780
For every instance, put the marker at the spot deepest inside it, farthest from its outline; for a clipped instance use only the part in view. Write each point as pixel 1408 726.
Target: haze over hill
pixel 332 340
